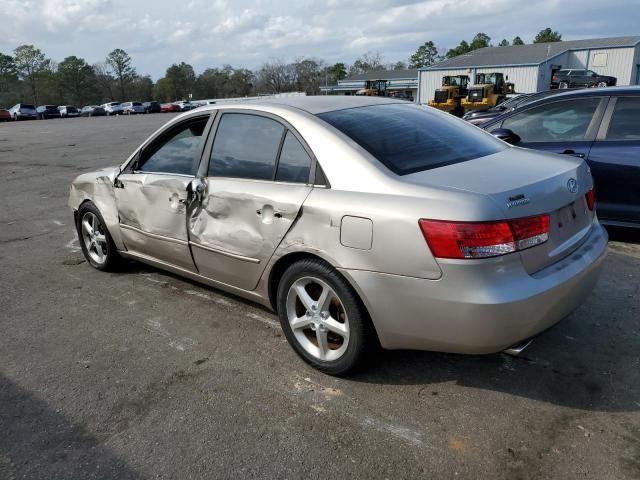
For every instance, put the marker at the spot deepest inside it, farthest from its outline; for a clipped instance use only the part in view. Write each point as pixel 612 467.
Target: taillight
pixel 483 239
pixel 591 199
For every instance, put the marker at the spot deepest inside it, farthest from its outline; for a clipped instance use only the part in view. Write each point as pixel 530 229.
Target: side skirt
pixel 249 295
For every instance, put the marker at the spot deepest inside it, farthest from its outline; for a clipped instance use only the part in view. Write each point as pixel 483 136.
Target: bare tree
pixel 310 74
pixel 276 77
pixel 104 80
pixel 367 62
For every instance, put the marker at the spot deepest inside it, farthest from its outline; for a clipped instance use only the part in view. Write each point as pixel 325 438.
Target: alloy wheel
pixel 318 318
pixel 94 238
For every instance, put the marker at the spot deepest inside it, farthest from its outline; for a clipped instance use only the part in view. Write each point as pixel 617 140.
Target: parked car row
pixel 24 111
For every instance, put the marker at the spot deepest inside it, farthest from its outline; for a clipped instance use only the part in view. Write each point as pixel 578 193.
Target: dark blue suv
pixel 601 125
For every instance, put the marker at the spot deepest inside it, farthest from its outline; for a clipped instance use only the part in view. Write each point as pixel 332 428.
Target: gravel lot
pixel 142 374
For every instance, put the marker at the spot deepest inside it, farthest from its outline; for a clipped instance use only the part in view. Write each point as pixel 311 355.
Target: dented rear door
pixel 251 193
pixel 238 226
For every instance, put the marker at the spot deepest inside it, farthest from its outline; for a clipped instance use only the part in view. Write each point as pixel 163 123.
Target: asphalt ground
pixel 142 374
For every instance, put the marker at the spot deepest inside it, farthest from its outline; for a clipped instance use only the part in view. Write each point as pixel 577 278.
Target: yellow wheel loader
pixel 448 97
pixel 374 88
pixel 488 91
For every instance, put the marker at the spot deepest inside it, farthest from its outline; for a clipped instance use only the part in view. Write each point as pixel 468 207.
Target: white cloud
pixel 247 32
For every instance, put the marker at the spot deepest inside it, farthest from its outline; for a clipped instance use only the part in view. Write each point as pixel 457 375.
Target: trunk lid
pixel 525 183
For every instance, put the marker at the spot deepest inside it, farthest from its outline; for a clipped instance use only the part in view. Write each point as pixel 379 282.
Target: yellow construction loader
pixel 448 97
pixel 488 90
pixel 374 88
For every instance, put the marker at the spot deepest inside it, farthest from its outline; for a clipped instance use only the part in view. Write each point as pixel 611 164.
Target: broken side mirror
pixel 506 135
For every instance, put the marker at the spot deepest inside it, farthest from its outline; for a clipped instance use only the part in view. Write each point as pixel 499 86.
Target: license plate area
pixel 567 221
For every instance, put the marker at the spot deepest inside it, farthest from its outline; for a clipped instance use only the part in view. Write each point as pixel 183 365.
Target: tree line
pixel 428 54
pixel 29 76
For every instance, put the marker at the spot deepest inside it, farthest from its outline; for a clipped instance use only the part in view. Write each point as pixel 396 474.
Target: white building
pixel 530 67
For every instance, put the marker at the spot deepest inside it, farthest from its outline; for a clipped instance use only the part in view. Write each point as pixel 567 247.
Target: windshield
pixel 410 138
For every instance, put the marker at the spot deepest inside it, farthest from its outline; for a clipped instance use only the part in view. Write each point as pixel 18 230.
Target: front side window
pixel 624 123
pixel 408 138
pixel 174 152
pixel 554 122
pixel 294 163
pixel 246 146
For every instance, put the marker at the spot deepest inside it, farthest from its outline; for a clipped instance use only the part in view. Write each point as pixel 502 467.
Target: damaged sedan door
pixel 151 194
pixel 250 193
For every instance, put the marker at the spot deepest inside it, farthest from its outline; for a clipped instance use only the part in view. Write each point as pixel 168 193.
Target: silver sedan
pixel 362 222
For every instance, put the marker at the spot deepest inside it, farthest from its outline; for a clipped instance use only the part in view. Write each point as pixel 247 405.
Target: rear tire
pixel 323 318
pixel 95 240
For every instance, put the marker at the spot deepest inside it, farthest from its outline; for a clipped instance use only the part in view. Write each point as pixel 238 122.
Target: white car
pixel 185 105
pixel 113 108
pixel 68 111
pixel 132 107
pixel 22 111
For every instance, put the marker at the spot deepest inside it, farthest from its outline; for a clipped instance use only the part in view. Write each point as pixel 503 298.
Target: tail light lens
pixel 591 199
pixel 483 239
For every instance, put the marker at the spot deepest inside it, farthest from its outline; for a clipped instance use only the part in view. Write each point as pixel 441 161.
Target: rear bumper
pixel 479 307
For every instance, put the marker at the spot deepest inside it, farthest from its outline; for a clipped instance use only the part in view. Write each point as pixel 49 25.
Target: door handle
pixel 572 152
pixel 276 213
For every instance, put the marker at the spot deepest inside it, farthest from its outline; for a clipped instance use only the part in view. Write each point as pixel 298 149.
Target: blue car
pixel 601 125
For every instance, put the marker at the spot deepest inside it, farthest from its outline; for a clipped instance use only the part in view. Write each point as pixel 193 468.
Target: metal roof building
pixel 530 67
pixel 404 82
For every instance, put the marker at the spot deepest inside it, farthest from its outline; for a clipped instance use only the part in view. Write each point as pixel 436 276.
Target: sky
pixel 246 33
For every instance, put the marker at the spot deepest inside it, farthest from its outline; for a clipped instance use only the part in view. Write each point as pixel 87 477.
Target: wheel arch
pixel 280 266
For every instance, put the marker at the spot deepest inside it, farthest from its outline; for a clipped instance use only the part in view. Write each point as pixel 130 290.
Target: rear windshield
pixel 136 104
pixel 25 106
pixel 408 138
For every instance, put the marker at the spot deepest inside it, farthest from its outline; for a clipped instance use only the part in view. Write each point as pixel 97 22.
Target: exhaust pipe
pixel 517 349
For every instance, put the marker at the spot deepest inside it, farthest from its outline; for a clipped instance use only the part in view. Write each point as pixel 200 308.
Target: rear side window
pixel 246 146
pixel 410 138
pixel 295 163
pixel 625 123
pixel 563 121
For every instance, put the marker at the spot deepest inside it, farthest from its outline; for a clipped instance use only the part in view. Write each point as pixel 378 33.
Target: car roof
pixel 577 93
pixel 582 93
pixel 328 103
pixel 312 104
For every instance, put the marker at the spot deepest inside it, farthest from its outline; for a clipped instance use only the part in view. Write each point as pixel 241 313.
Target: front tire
pixel 323 318
pixel 563 85
pixel 96 242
